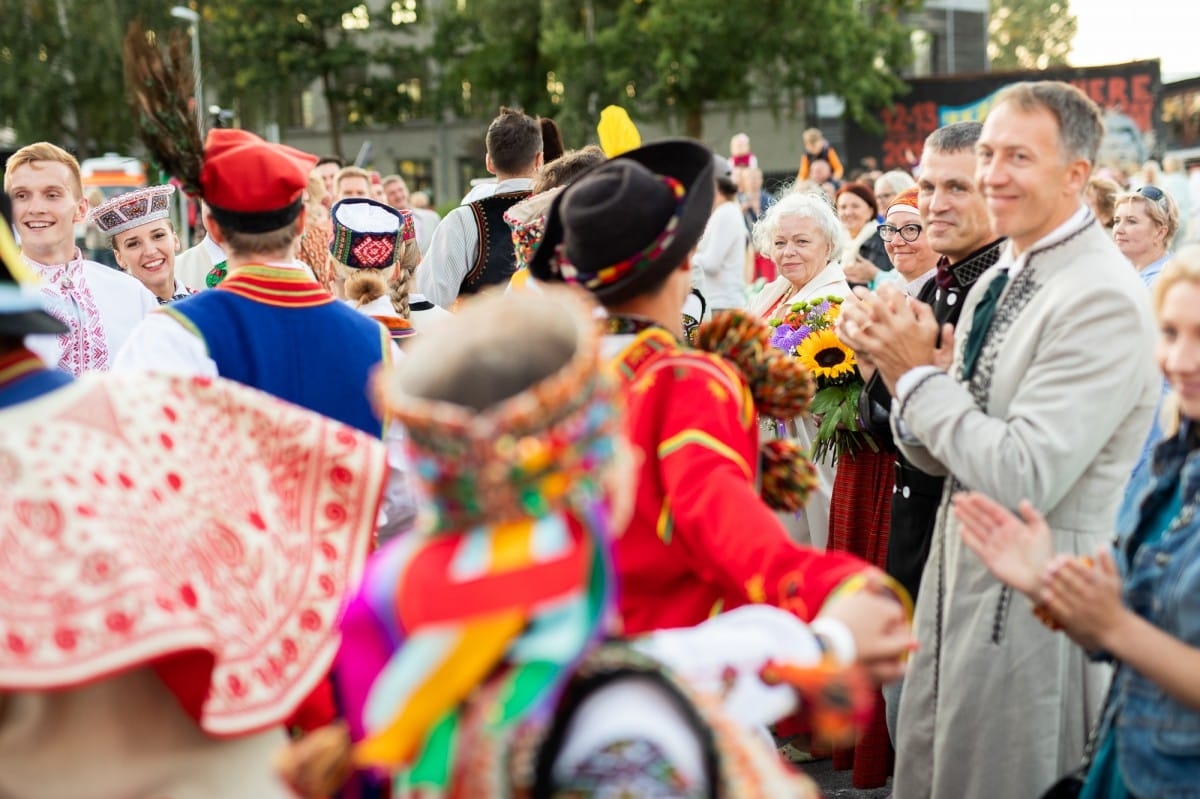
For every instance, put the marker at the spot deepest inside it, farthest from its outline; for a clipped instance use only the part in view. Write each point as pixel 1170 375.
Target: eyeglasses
pixel 1152 193
pixel 909 233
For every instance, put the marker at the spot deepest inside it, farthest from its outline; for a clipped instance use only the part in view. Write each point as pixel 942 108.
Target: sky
pixel 1114 31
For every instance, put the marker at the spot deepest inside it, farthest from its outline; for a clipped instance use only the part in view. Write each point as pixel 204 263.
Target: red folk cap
pixel 251 185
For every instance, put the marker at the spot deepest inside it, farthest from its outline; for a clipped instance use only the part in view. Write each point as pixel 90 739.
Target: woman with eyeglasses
pixel 1144 224
pixel 860 513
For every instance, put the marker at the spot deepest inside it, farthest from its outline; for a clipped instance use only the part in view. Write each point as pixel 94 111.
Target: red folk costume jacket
pixel 701 540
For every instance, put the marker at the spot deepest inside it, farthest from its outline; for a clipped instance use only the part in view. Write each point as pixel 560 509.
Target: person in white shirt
pixel 100 305
pixel 721 253
pixel 395 190
pixel 204 264
pixel 472 248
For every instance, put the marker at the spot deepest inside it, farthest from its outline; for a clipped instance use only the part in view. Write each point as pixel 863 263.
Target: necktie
pixel 944 277
pixel 982 320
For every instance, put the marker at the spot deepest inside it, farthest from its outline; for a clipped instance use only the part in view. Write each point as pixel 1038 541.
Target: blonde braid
pixel 402 277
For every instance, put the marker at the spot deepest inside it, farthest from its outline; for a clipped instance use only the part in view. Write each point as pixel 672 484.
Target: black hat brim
pixel 25 322
pixel 685 160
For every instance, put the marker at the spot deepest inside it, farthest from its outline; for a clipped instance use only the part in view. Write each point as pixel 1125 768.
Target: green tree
pixel 1030 34
pixel 271 52
pixel 669 58
pixel 61 77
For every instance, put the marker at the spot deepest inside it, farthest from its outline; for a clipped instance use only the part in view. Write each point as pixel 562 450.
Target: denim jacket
pixel 1158 739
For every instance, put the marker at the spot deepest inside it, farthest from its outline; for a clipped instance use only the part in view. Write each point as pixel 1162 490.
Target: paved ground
pixel 836 784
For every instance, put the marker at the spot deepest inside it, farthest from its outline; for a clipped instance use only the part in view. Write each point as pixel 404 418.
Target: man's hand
pixel 895 332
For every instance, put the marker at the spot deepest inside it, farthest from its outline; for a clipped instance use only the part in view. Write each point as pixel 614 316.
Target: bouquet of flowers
pixel 806 333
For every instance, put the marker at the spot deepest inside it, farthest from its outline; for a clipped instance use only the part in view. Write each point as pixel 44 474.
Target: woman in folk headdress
pixel 143 240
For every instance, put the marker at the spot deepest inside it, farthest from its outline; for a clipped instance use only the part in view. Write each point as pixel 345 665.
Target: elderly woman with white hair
pixel 803 237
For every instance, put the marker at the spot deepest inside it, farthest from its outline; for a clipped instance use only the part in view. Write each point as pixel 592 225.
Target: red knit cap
pixel 905 201
pixel 250 185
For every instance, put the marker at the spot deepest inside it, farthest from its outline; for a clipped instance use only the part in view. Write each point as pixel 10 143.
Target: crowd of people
pixel 539 498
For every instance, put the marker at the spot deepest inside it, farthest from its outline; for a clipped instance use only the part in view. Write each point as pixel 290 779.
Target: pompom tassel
pixel 788 476
pixel 781 386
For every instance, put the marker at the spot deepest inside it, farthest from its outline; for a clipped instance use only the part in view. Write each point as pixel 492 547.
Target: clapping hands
pixel 1080 594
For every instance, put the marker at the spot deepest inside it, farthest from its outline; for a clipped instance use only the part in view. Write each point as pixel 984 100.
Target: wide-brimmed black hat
pixel 626 223
pixel 21 308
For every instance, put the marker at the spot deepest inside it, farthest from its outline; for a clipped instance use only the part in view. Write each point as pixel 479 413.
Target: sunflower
pixel 825 356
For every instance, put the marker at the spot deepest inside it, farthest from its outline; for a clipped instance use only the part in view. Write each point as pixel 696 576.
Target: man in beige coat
pixel 1047 398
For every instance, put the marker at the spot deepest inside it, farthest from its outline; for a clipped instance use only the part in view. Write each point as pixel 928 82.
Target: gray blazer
pixel 996 705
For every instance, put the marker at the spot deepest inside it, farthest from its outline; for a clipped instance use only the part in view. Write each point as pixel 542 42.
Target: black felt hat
pixel 625 224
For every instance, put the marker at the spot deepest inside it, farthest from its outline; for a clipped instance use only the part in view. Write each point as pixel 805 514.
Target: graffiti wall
pixel 1128 93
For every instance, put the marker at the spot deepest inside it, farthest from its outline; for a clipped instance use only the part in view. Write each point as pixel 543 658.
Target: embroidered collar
pixel 17 364
pixel 276 285
pixel 182 292
pixel 58 274
pixel 622 325
pixel 964 273
pixel 651 341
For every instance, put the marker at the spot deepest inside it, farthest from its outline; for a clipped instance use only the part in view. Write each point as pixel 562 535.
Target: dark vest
pixel 917 495
pixel 497 259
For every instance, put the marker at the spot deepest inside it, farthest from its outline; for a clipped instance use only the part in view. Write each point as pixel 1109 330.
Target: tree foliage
pixel 271 52
pixel 61 77
pixel 669 58
pixel 1030 34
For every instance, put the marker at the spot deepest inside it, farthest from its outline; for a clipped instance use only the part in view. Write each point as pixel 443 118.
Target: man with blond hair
pixel 352 182
pixel 100 306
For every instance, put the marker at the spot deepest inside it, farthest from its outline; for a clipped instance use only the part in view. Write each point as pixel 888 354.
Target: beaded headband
pixel 528 456
pixel 133 209
pixel 527 219
pixel 639 260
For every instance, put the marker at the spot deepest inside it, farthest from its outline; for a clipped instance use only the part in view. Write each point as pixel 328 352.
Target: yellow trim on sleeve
pixel 702 439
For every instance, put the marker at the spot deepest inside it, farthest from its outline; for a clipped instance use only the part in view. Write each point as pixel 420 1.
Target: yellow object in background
pixel 617 132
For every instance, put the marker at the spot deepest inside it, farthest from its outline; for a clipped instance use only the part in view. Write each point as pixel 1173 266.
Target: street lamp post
pixel 187 14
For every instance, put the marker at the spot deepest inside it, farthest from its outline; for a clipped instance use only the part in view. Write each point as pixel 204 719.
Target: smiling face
pixel 1139 238
pixel 800 250
pixel 1178 348
pixel 911 258
pixel 952 208
pixel 853 211
pixel 1031 185
pixel 46 207
pixel 148 253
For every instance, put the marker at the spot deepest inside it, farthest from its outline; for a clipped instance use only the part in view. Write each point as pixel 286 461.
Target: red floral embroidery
pixel 242 558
